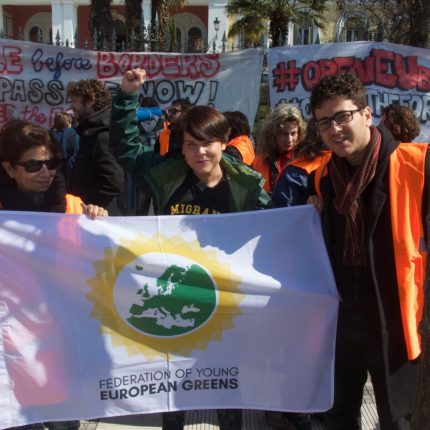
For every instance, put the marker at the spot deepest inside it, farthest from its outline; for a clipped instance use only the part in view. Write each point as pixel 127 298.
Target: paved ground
pixel 206 420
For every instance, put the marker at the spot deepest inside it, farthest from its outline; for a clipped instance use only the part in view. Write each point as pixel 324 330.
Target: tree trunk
pixel 101 21
pixel 133 22
pixel 421 416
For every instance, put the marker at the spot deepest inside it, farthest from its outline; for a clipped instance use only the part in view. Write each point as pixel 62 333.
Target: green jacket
pixel 163 175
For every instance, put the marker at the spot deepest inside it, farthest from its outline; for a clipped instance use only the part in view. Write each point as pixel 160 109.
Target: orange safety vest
pixel 306 165
pixel 261 165
pixel 73 204
pixel 406 182
pixel 164 139
pixel 245 147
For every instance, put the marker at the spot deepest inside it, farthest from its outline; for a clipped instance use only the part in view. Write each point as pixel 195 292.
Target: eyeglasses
pixel 342 117
pixel 174 111
pixel 33 166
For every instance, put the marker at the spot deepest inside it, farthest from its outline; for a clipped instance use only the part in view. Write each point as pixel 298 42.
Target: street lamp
pixel 216 27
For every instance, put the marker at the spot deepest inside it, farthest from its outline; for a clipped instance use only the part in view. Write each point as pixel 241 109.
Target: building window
pixel 355 29
pixel 35 34
pixel 7 26
pixel 305 34
pixel 195 40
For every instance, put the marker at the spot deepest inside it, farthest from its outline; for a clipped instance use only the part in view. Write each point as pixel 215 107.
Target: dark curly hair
pixel 401 121
pixel 91 91
pixel 347 87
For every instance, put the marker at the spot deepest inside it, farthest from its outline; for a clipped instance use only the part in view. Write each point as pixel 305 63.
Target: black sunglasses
pixel 33 166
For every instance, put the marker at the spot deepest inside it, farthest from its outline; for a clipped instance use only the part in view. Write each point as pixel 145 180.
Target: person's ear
pixel 8 168
pixel 367 112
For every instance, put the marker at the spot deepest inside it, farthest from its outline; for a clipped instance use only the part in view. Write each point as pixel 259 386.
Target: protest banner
pixel 34 78
pixel 391 73
pixel 146 314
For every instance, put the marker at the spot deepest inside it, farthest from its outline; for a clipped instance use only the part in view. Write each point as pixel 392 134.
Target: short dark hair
pixel 148 101
pixel 401 121
pixel 18 136
pixel 347 87
pixel 239 124
pixel 183 103
pixel 204 123
pixel 91 91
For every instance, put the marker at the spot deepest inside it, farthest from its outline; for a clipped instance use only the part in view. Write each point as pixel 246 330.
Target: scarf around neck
pixel 348 187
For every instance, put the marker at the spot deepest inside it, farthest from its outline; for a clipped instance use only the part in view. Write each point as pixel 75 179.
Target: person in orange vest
pixel 280 133
pixel 240 144
pixel 291 187
pixel 166 140
pixel 374 196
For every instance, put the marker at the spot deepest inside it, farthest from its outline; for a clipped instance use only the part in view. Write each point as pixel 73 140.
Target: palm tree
pixel 160 9
pixel 255 14
pixel 101 21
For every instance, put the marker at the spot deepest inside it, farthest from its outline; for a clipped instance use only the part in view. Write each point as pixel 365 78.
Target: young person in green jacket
pixel 203 180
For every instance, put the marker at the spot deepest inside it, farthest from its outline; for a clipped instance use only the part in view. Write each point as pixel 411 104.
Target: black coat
pixel 96 177
pixel 369 294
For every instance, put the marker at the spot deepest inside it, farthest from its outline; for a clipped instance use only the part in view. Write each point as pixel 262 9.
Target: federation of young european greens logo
pixel 164 295
pixel 168 301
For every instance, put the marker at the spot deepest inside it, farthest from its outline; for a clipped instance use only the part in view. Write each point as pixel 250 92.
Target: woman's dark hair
pixel 203 123
pixel 18 136
pixel 401 121
pixel 311 145
pixel 239 124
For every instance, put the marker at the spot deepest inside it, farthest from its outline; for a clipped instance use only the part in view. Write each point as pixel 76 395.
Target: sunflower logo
pixel 157 295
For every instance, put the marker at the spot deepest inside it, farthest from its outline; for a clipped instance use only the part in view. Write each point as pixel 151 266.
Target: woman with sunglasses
pixel 29 182
pixel 28 174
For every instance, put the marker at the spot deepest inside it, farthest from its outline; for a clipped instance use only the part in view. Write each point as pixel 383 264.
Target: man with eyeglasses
pixel 374 197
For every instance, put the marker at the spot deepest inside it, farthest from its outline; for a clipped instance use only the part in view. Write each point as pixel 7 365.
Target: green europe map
pixel 178 302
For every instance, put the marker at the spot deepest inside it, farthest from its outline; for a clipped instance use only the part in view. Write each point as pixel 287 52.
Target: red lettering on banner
pixel 344 64
pixel 5 112
pixel 423 80
pixel 382 67
pixel 194 67
pixel 365 69
pixel 33 114
pixel 10 60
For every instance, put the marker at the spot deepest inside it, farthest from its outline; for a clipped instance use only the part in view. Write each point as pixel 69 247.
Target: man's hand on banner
pixel 132 80
pixel 317 202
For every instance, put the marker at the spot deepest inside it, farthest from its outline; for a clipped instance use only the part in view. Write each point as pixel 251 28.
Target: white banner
pixel 392 74
pixel 145 314
pixel 34 78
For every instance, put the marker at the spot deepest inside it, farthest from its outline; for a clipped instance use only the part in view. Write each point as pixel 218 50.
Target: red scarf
pixel 348 202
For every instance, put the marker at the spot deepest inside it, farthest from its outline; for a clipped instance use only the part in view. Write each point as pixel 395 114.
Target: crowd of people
pixel 370 184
